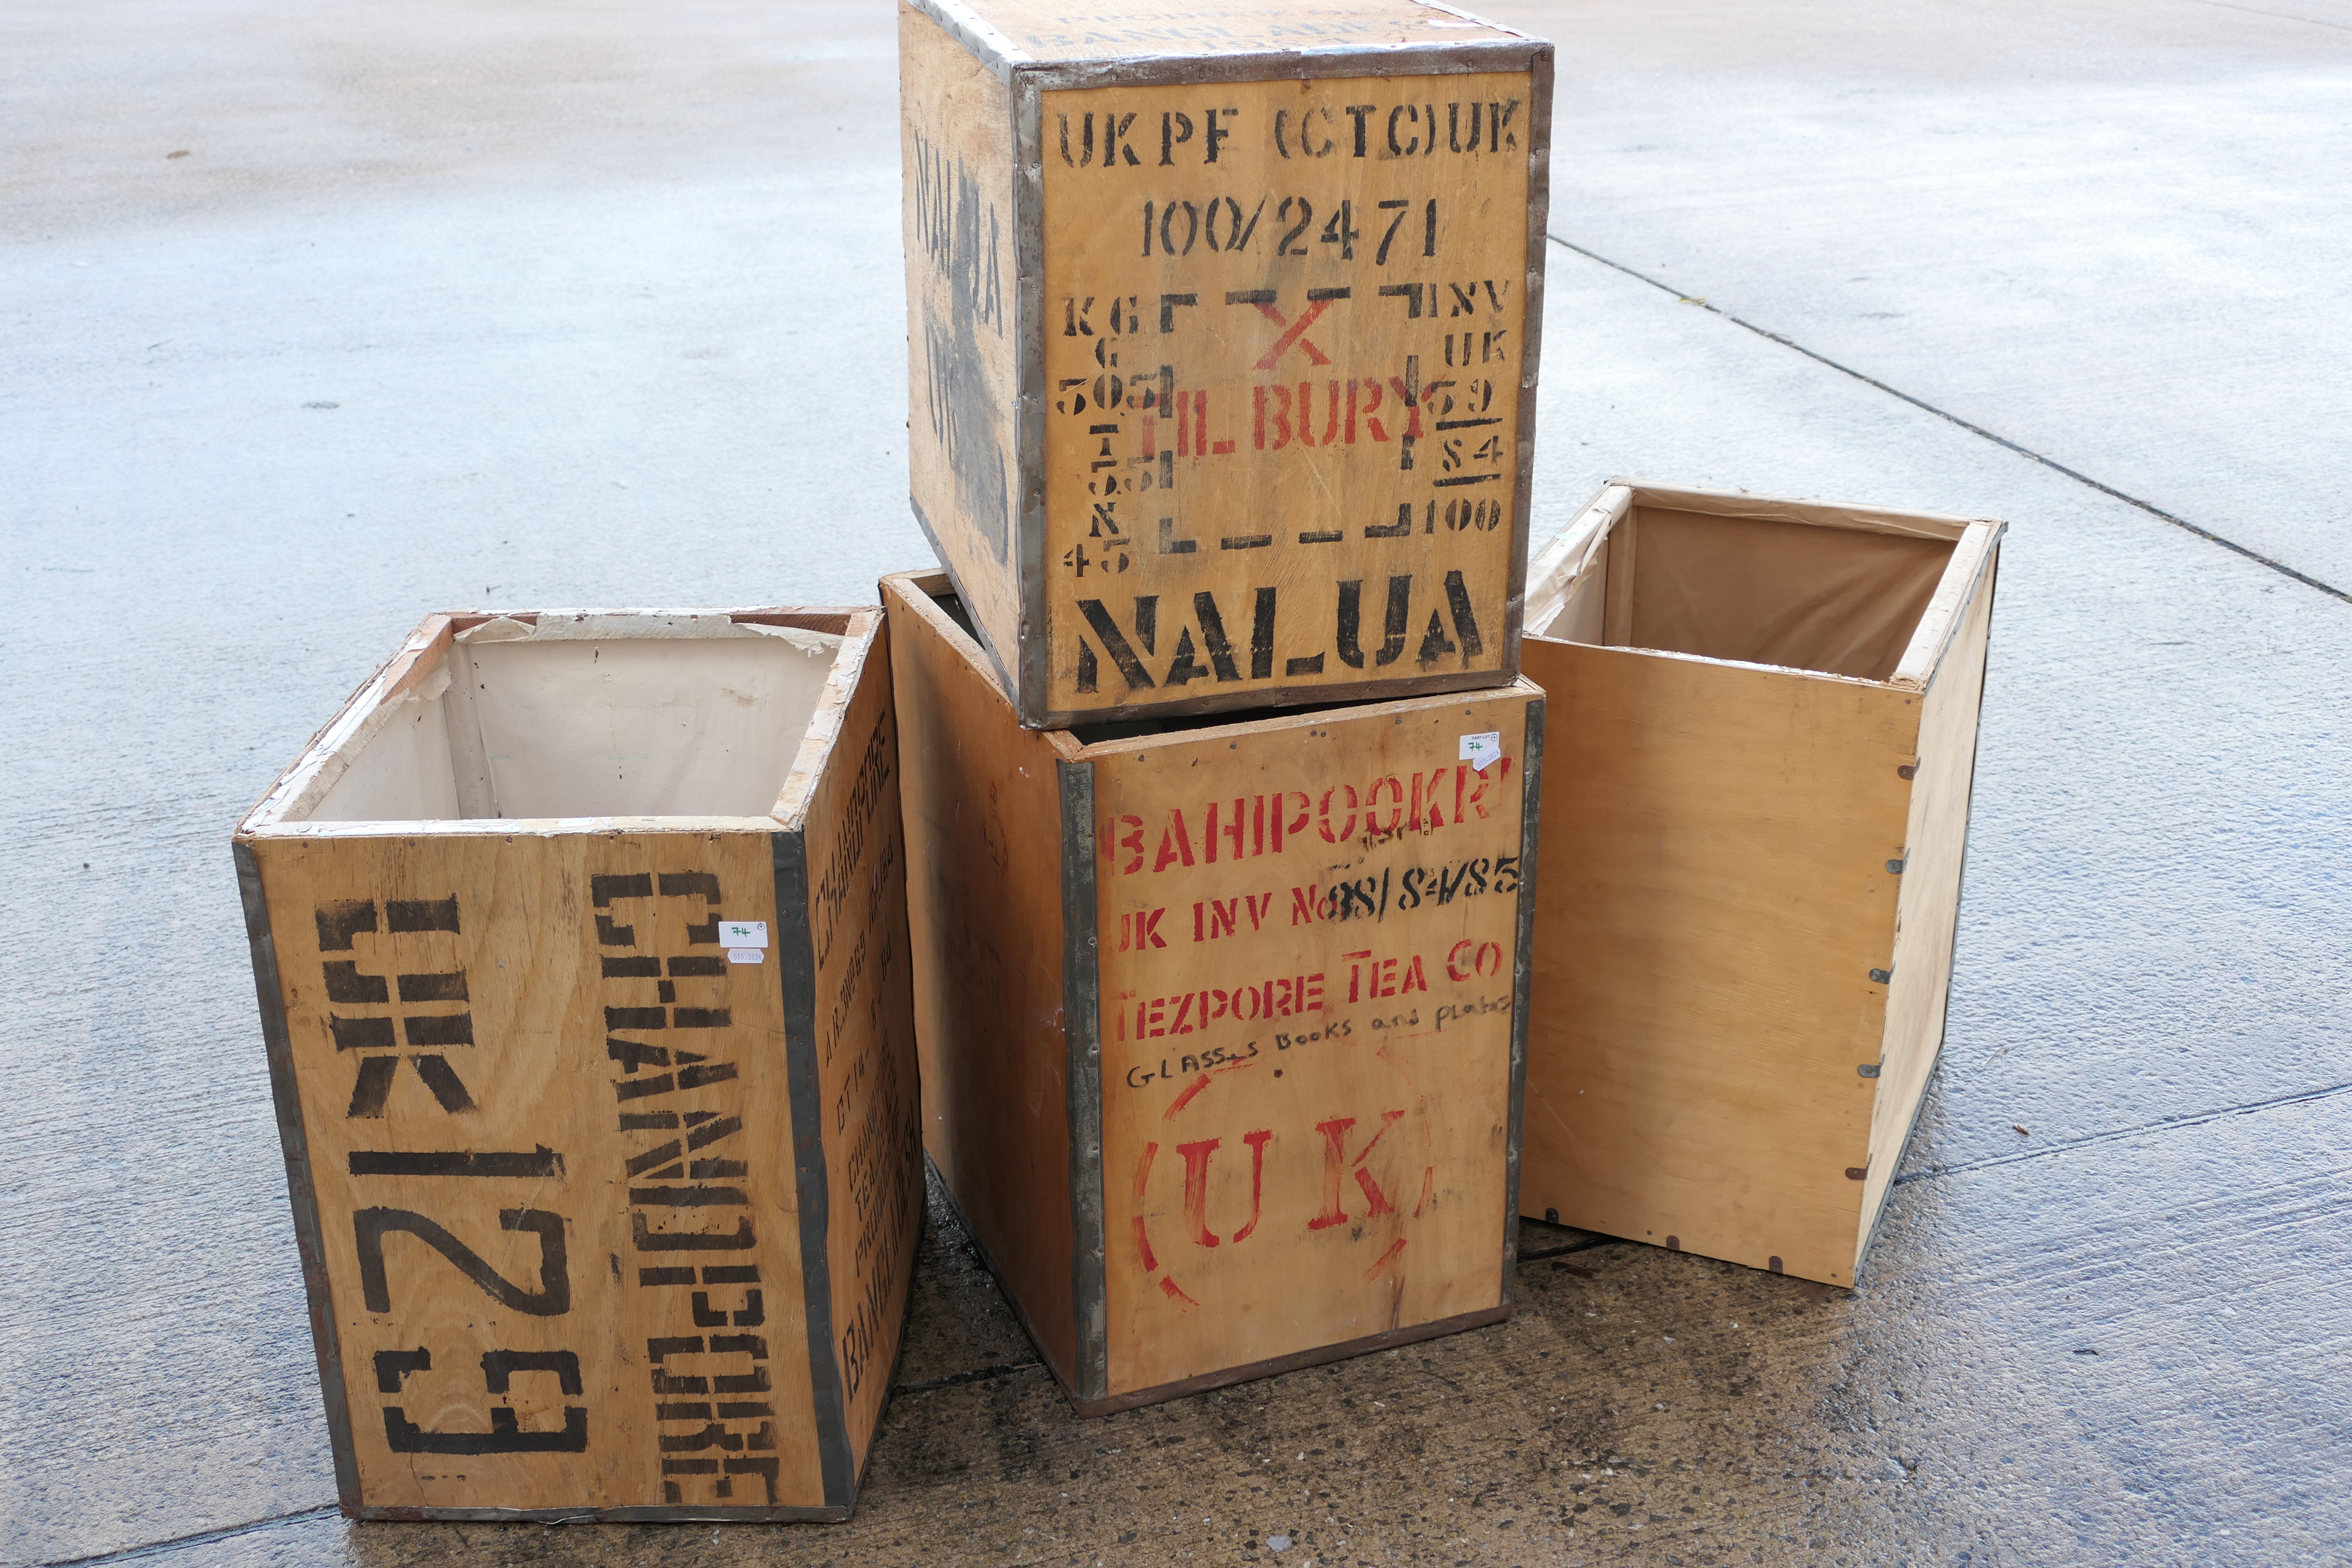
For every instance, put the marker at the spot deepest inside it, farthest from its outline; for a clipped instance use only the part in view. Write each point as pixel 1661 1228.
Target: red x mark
pixel 1294 332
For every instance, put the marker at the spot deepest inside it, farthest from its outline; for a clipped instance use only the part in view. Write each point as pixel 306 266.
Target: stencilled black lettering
pixel 439 1028
pixel 540 1162
pixel 683 1204
pixel 345 983
pixel 506 1435
pixel 421 915
pixel 448 988
pixel 858 813
pixel 381 1028
pixel 551 1299
pixel 1272 373
pixel 442 1079
pixel 362 1034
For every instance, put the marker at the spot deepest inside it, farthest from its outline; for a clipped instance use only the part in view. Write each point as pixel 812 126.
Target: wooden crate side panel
pixel 982 820
pixel 1714 896
pixel 1307 940
pixel 870 1100
pixel 962 350
pixel 502 1085
pixel 294 1145
pixel 1927 912
pixel 1286 358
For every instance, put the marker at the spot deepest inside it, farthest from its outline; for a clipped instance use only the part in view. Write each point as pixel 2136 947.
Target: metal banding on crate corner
pixel 1222 347
pixel 600 1119
pixel 1766 740
pixel 1244 1094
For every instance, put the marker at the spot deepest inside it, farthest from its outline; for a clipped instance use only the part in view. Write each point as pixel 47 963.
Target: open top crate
pixel 1755 820
pixel 579 939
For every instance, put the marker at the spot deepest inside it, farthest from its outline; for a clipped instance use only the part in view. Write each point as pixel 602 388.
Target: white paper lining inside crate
pixel 586 716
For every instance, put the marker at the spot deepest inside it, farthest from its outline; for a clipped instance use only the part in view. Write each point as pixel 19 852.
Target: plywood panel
pixel 1307 933
pixel 862 1011
pixel 956 129
pixel 1713 897
pixel 984 914
pixel 1927 912
pixel 1055 32
pixel 1285 355
pixel 555 1188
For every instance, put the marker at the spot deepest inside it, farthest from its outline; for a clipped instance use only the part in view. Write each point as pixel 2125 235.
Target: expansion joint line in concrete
pixel 2162 1124
pixel 2281 16
pixel 200 1537
pixel 2051 463
pixel 954 1379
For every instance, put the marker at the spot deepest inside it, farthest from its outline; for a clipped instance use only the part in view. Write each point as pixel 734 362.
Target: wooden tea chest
pixel 1222 345
pixel 1220 1023
pixel 1756 816
pixel 581 946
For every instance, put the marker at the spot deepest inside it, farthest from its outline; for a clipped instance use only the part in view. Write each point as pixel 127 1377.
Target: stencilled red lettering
pixel 1337 1166
pixel 1249 826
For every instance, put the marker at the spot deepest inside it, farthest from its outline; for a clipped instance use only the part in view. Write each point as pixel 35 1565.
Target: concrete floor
pixel 497 302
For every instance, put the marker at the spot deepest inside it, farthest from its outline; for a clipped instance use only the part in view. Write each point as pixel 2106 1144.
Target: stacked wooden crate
pixel 1182 832
pixel 1223 355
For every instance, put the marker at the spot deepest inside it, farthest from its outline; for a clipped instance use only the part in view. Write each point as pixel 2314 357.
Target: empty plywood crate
pixel 580 944
pixel 1220 1023
pixel 1765 723
pixel 1223 346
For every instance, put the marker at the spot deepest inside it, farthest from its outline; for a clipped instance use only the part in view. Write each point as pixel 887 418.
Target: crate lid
pixel 1015 34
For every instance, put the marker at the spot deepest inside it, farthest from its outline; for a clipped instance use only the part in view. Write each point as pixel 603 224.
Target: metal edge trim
pixel 1285 697
pixel 796 977
pixel 286 1101
pixel 1369 60
pixel 992 47
pixel 1483 1318
pixel 1531 308
pixel 923 521
pixel 1992 579
pixel 664 1514
pixel 1034 657
pixel 1082 1086
pixel 1523 976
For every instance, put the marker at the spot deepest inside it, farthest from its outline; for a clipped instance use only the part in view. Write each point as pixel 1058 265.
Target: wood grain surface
pixel 1223 370
pixel 1305 938
pixel 548 1155
pixel 1282 437
pixel 962 354
pixel 1936 842
pixel 521 1120
pixel 1732 1026
pixel 1308 929
pixel 984 916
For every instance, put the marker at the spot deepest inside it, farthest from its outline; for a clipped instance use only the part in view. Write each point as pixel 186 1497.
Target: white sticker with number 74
pixel 1481 750
pixel 744 940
